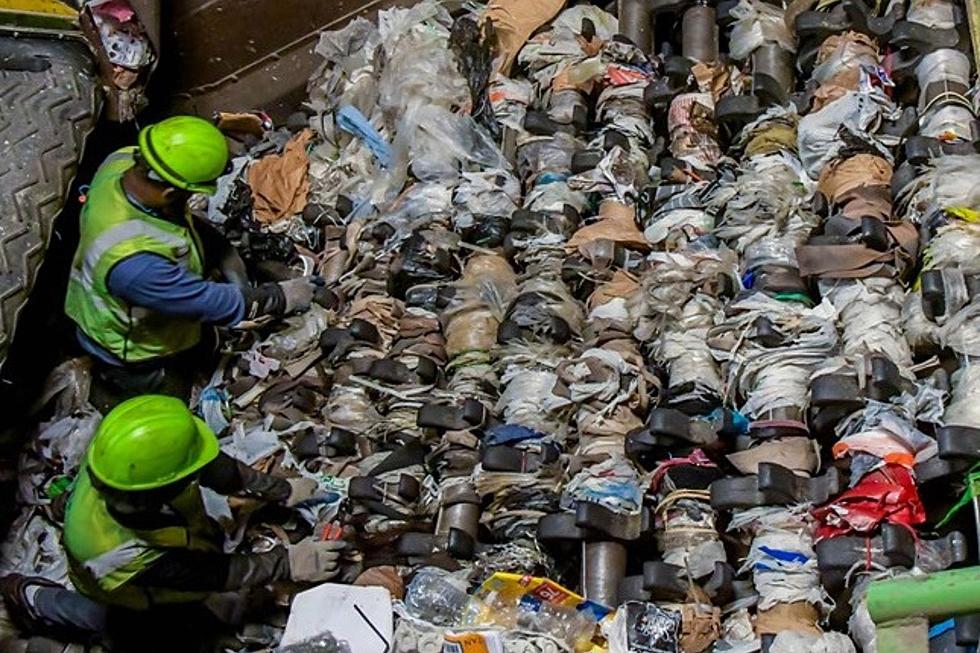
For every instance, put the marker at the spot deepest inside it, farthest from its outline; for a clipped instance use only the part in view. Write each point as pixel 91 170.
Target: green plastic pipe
pixel 904 636
pixel 941 594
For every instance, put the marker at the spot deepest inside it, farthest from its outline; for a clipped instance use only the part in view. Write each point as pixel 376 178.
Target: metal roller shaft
pixel 603 568
pixel 700 34
pixel 636 24
pixel 776 63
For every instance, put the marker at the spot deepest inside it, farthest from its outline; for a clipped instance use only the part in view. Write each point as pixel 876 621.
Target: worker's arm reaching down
pixel 186 570
pixel 193 571
pixel 152 282
pixel 231 477
pixel 156 284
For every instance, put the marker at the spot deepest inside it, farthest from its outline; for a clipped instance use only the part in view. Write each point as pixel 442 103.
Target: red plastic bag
pixel 888 495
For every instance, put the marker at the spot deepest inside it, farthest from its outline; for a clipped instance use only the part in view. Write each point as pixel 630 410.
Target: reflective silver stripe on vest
pixel 95 298
pixel 118 156
pixel 121 233
pixel 114 560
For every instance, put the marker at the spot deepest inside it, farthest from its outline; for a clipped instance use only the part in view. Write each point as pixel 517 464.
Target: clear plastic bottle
pixel 436 596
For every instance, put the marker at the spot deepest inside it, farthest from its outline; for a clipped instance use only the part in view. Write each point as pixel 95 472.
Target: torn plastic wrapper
pixel 34 549
pixel 886 435
pixel 643 628
pixel 888 495
pixel 757 23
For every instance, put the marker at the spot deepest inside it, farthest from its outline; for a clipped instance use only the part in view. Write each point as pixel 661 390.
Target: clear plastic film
pixel 685 350
pixel 528 398
pixel 674 229
pixel 491 192
pixel 784 567
pixel 962 332
pixel 670 282
pixel 792 642
pixel 964 404
pixel 779 385
pixel 858 112
pixel 471 320
pixel 757 23
pixel 350 407
pixel 419 86
pixel 943 65
pixel 860 625
pixel 955 245
pixel 766 209
pixel 870 312
pixel 950 122
pixel 842 55
pixel 300 336
pixel 775 378
pixel 921 332
pixel 953 181
pixel 933 13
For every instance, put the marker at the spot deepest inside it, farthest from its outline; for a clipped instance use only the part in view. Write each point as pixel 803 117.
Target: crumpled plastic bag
pixel 33 548
pixel 757 23
pixel 888 495
pixel 69 385
pixel 613 483
pixel 794 642
pixel 642 626
pixel 784 569
pixel 817 134
pixel 63 442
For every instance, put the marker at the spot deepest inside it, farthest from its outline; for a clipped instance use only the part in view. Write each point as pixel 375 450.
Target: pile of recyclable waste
pixel 651 334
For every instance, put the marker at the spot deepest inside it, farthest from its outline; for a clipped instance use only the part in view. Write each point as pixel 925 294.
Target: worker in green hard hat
pixel 138 539
pixel 137 289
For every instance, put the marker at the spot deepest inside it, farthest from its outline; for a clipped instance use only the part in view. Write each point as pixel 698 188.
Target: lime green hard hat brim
pixel 154 161
pixel 209 451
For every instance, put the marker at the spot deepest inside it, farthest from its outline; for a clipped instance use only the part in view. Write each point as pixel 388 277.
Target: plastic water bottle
pixel 436 596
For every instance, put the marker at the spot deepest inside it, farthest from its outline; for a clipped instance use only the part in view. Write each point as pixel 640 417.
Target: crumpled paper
pixel 514 21
pixel 279 182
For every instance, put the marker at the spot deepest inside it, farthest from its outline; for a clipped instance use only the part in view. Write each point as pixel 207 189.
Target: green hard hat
pixel 188 152
pixel 148 442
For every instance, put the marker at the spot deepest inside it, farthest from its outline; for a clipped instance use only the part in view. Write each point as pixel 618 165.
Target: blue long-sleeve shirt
pixel 154 283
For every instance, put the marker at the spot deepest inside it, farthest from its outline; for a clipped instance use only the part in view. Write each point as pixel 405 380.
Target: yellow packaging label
pixel 468 643
pixel 511 587
pixel 963 213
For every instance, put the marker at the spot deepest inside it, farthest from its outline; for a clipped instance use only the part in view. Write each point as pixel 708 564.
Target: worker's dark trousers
pixel 76 617
pixel 112 384
pixel 69 611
